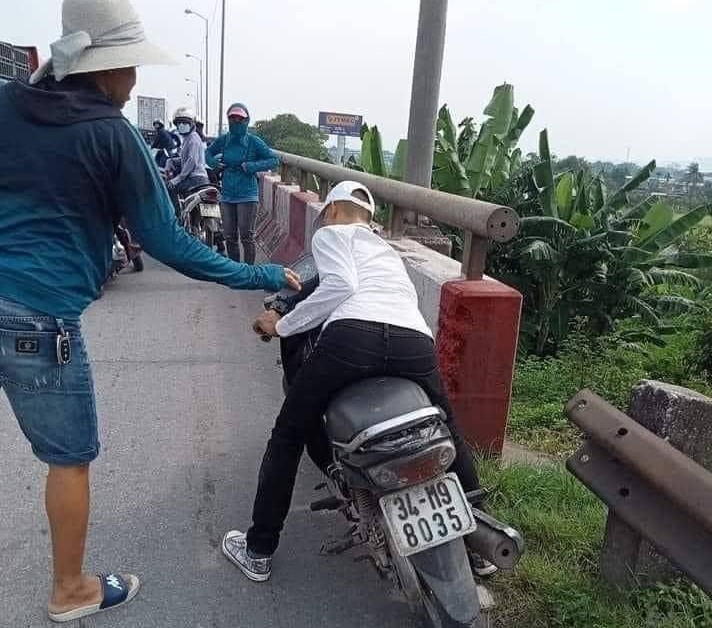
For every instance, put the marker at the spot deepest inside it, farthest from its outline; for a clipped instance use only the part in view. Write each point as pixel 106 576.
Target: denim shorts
pixel 53 403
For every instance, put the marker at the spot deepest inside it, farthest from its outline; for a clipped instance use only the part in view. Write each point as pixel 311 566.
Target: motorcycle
pixel 125 251
pixel 200 215
pixel 199 212
pixel 389 479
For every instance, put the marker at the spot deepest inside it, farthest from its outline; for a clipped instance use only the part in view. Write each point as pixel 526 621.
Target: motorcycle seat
pixel 208 193
pixel 376 402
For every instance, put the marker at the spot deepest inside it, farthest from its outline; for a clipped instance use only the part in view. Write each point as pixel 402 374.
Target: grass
pixel 543 385
pixel 557 584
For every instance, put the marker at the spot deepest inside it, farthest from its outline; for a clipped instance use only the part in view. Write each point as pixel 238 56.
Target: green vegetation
pixel 557 584
pixel 288 133
pixel 610 365
pixel 584 253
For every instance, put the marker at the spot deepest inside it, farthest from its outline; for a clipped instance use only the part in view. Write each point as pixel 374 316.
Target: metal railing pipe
pixel 483 220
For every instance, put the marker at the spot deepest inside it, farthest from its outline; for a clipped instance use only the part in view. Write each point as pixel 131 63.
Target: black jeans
pixel 347 351
pixel 239 226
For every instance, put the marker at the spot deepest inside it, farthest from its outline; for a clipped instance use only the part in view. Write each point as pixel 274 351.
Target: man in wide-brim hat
pixel 59 201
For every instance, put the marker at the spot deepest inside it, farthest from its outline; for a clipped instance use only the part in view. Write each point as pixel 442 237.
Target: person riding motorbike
pixel 163 143
pixel 371 326
pixel 189 171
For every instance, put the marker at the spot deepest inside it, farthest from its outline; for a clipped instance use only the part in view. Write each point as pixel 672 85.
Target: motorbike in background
pixel 200 216
pixel 199 212
pixel 125 251
pixel 389 479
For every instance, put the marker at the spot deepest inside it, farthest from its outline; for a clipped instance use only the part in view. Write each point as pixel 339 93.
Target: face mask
pixel 184 128
pixel 239 129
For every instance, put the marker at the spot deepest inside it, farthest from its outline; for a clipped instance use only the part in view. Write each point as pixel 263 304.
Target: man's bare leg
pixel 67 503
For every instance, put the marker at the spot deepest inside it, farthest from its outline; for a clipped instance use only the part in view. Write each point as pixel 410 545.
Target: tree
pixel 288 133
pixel 572 162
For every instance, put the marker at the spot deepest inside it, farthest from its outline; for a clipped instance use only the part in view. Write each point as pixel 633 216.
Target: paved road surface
pixel 186 397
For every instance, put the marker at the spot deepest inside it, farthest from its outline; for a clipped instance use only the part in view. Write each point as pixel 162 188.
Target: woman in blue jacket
pixel 241 155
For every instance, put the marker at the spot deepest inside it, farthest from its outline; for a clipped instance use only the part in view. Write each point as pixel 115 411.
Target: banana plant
pixel 583 253
pixel 472 162
pixel 372 158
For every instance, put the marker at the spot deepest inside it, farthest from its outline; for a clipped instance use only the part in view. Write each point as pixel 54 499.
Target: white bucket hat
pixel 99 35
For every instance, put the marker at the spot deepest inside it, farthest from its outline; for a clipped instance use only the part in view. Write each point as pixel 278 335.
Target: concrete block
pixel 313 210
pixel 430 236
pixel 265 210
pixel 274 229
pixel 428 270
pixel 683 418
pixel 293 246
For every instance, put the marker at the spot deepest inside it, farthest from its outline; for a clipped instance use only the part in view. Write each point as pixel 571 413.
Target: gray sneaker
pixel 482 568
pixel 234 546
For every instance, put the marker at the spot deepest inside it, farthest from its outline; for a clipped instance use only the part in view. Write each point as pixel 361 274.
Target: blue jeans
pixel 54 404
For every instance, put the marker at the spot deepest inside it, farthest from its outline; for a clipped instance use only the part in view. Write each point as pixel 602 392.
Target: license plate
pixel 428 514
pixel 210 211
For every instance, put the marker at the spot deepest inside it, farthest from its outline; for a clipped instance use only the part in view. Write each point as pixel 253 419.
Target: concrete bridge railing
pixel 475 318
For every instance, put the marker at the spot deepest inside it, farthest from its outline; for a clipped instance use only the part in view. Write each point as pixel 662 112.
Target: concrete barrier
pixel 476 322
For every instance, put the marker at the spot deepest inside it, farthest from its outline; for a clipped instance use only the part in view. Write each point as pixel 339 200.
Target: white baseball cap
pixel 344 191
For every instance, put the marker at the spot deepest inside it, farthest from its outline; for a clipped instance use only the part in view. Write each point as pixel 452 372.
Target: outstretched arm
pixel 144 201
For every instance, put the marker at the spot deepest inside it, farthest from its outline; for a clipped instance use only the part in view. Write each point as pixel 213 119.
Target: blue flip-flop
pixel 117 591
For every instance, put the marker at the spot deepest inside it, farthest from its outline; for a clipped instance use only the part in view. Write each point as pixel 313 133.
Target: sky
pixel 608 78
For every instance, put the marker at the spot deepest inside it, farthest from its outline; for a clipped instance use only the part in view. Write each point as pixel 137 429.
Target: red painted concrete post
pixel 477 345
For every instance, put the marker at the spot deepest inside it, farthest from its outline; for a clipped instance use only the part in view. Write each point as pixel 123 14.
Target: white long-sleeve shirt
pixel 360 277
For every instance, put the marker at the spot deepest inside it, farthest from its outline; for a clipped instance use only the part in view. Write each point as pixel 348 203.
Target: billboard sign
pixel 340 124
pixel 150 109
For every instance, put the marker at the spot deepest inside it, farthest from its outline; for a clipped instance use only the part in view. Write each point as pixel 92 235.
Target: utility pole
pixel 424 103
pixel 207 65
pixel 222 72
pixel 206 113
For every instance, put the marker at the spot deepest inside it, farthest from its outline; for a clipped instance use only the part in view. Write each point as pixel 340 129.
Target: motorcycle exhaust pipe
pixel 495 541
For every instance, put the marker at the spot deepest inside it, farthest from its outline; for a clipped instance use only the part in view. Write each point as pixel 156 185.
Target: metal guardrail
pixel 482 222
pixel 657 490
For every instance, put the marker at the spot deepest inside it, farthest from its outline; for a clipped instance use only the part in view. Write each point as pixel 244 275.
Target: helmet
pixel 158 122
pixel 184 113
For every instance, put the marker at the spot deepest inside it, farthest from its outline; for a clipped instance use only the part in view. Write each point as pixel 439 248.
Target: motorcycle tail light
pixel 209 195
pixel 410 439
pixel 414 468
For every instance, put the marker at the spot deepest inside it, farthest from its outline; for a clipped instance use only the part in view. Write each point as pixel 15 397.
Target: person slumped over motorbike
pixel 371 327
pixel 189 171
pixel 241 155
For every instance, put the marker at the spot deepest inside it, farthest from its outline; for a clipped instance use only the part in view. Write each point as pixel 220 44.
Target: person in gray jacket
pixel 189 171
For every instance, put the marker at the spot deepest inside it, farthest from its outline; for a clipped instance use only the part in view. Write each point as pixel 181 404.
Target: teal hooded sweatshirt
pixel 62 193
pixel 243 155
